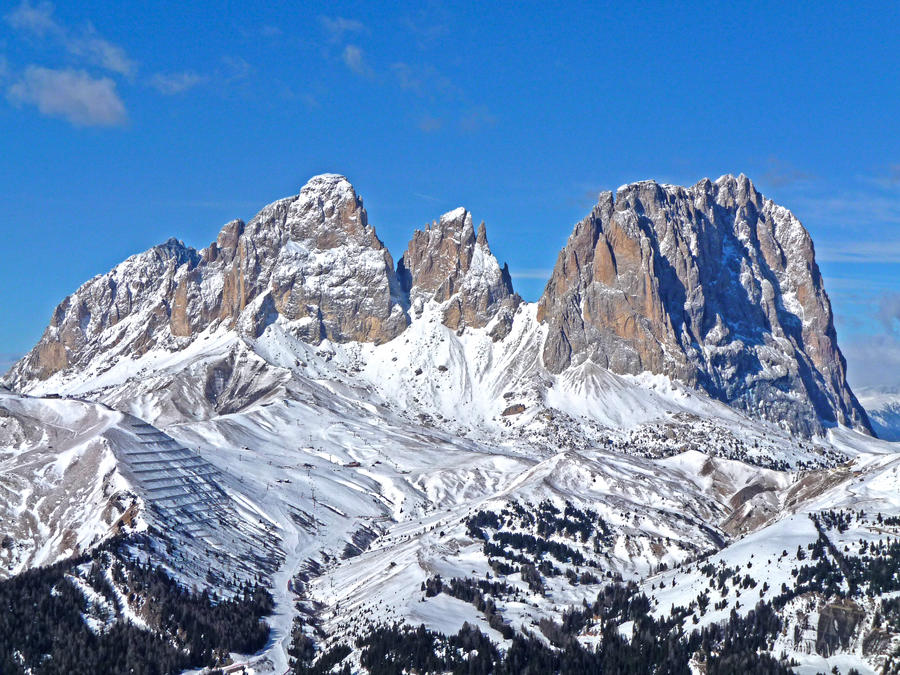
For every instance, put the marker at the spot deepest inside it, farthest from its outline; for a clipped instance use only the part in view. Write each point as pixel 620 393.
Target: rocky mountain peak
pixel 713 285
pixel 333 272
pixel 328 213
pixel 449 263
pixel 311 259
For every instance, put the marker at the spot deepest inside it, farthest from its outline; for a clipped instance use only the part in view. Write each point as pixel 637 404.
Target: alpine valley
pixel 287 453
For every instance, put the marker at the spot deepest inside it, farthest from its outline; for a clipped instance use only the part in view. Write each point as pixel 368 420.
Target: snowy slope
pixel 60 486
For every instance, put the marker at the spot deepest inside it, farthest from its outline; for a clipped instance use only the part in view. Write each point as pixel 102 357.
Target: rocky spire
pixel 333 270
pixel 449 264
pixel 713 285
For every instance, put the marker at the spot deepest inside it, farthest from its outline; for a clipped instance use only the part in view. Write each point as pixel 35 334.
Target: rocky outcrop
pixel 312 259
pixel 450 264
pixel 839 622
pixel 713 285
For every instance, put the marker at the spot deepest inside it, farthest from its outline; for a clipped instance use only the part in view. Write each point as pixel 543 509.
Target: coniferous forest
pixel 70 618
pixel 738 647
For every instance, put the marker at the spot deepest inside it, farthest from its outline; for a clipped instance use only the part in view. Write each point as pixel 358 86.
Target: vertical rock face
pixel 450 264
pixel 312 259
pixel 713 285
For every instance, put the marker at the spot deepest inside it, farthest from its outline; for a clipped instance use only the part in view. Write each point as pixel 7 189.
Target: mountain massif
pixel 714 286
pixel 657 467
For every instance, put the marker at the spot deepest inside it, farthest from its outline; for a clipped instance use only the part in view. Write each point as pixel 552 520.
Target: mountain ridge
pixel 313 259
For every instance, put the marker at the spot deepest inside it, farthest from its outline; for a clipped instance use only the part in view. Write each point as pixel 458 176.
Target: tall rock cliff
pixel 450 264
pixel 713 285
pixel 312 258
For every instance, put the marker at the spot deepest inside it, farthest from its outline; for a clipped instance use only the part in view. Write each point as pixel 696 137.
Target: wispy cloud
pixel 889 312
pixel 425 80
pixel 429 25
pixel 476 119
pixel 73 95
pixel 176 83
pixel 429 124
pixel 353 58
pixel 873 361
pixel 308 99
pixel 427 198
pixel 7 361
pixel 873 251
pixel 336 27
pixel 782 174
pixel 236 68
pixel 854 209
pixel 37 20
pixel 102 53
pixel 888 179
pixel 872 348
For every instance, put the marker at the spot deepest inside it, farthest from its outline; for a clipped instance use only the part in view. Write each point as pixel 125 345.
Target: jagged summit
pixel 448 263
pixel 713 285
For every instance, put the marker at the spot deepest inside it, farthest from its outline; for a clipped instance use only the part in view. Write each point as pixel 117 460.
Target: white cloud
pixel 874 358
pixel 37 19
pixel 71 94
pixel 354 60
pixel 873 361
pixel 101 52
pixel 176 83
pixel 889 312
pixel 338 26
pixel 84 43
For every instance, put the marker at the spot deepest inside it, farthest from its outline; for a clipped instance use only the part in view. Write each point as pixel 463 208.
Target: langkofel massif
pixel 288 451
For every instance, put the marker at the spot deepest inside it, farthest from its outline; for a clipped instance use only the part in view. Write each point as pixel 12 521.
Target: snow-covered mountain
pixel 882 404
pixel 714 286
pixel 285 406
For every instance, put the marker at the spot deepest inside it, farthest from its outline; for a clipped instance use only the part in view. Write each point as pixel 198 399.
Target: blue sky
pixel 122 125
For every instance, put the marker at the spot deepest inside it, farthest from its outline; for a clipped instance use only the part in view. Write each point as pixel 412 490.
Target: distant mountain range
pixel 883 406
